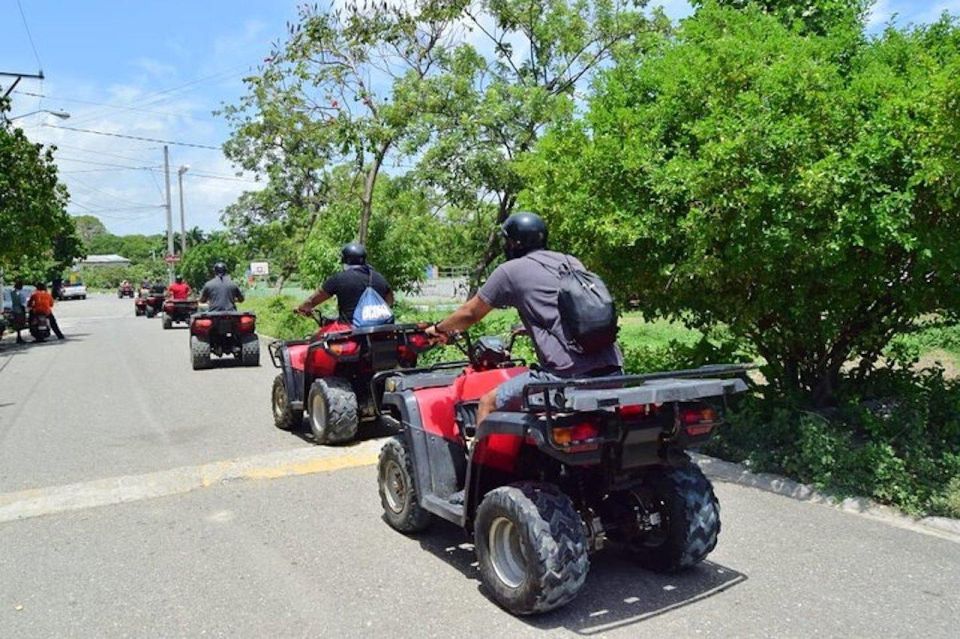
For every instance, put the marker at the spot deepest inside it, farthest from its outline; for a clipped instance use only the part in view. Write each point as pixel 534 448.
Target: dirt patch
pixel 942 358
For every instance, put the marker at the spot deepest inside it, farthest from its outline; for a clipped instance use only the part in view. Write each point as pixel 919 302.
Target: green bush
pixel 894 439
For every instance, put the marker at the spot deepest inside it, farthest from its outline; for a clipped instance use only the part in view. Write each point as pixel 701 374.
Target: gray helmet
pixel 220 269
pixel 353 254
pixel 523 232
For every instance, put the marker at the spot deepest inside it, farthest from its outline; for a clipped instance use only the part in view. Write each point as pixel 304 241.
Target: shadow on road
pixel 618 593
pixel 369 430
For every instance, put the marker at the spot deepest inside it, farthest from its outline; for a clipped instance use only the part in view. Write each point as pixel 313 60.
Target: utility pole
pixel 183 226
pixel 166 173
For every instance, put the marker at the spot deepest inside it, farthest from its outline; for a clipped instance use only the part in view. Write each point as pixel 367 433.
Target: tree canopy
pixel 799 188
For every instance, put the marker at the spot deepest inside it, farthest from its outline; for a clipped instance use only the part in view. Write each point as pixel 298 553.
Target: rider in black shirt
pixel 349 284
pixel 221 293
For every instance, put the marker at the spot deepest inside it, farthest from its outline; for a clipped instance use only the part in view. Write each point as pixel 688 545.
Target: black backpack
pixel 587 310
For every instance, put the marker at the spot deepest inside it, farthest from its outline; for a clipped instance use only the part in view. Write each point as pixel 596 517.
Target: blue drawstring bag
pixel 371 310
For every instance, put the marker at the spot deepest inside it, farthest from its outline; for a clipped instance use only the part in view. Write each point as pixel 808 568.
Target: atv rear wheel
pixel 149 312
pixel 250 351
pixel 167 322
pixel 398 493
pixel 531 547
pixel 333 411
pixel 285 417
pixel 689 520
pixel 199 353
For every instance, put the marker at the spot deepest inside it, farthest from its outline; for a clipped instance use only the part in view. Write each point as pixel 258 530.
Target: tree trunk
pixel 493 244
pixel 368 186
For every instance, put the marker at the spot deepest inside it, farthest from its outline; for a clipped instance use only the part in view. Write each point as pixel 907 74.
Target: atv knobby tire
pixel 285 417
pixel 199 353
pixel 691 516
pixel 531 547
pixel 333 411
pixel 398 492
pixel 250 351
pixel 149 312
pixel 167 322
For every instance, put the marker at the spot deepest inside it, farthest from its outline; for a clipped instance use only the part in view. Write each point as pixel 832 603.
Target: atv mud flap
pixel 439 464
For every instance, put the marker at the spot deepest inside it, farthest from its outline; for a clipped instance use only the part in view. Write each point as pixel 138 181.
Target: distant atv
pixel 584 463
pixel 337 375
pixel 178 311
pixel 125 290
pixel 150 303
pixel 224 333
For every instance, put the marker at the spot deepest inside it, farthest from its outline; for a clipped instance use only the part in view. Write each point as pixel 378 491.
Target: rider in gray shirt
pixel 529 281
pixel 220 293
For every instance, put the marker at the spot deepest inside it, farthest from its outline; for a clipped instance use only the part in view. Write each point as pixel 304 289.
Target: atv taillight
pixel 698 421
pixel 418 342
pixel 247 323
pixel 574 436
pixel 635 411
pixel 346 348
pixel 168 307
pixel 202 325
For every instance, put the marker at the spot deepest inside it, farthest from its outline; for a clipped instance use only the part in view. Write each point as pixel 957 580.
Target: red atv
pixel 178 311
pixel 125 290
pixel 150 302
pixel 223 333
pixel 337 375
pixel 585 462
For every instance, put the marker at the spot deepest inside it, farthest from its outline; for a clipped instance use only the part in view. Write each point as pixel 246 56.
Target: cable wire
pixel 30 36
pixel 134 137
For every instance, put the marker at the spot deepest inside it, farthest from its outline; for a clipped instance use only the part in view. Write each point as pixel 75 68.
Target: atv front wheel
pixel 333 411
pixel 398 493
pixel 531 547
pixel 167 322
pixel 199 353
pixel 689 516
pixel 250 351
pixel 284 416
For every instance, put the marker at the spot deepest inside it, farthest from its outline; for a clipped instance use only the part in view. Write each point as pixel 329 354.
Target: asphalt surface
pixel 308 555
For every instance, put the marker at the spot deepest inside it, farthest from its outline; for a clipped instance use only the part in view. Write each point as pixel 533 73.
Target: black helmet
pixel 179 279
pixel 522 233
pixel 353 254
pixel 220 269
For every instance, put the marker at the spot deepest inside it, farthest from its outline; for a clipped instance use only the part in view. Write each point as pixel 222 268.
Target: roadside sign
pixel 171 259
pixel 259 268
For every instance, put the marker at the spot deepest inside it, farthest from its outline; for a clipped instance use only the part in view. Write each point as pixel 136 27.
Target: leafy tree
pixel 814 16
pixel 89 227
pixel 800 189
pixel 498 93
pixel 36 233
pixel 197 264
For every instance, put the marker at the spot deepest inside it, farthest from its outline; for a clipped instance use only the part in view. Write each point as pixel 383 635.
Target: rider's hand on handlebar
pixel 305 310
pixel 435 335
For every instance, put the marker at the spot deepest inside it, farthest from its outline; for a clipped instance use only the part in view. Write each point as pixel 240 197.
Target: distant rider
pixel 220 293
pixel 349 284
pixel 18 311
pixel 529 282
pixel 179 290
pixel 41 303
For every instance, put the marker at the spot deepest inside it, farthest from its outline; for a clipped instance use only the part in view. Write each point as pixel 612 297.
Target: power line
pixel 93 163
pixel 30 36
pixel 134 137
pixel 111 106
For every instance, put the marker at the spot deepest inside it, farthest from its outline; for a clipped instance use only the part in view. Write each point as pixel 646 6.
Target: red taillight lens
pixel 634 411
pixel 168 307
pixel 203 323
pixel 698 421
pixel 418 341
pixel 347 348
pixel 247 323
pixel 572 435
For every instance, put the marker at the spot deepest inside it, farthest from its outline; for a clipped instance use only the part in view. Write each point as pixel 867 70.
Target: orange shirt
pixel 41 302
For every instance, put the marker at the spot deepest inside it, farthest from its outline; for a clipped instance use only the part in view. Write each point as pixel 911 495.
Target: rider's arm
pixel 204 294
pixel 313 301
pixel 469 313
pixel 389 299
pixel 238 293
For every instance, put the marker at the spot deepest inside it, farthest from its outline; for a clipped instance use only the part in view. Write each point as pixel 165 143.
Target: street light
pixel 183 227
pixel 63 115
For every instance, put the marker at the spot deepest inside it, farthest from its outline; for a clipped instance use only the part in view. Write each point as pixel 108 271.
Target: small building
pixel 105 260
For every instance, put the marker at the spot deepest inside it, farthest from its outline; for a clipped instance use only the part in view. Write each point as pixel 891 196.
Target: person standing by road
pixel 179 290
pixel 18 309
pixel 221 293
pixel 41 303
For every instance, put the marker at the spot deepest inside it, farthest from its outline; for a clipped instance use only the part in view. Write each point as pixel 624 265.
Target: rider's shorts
pixel 510 392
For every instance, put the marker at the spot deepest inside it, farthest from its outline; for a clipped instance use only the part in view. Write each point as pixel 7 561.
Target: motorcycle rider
pixel 221 293
pixel 525 283
pixel 349 284
pixel 41 303
pixel 179 290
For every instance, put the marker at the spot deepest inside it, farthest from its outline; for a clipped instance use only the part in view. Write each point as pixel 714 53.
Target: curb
pixel 732 473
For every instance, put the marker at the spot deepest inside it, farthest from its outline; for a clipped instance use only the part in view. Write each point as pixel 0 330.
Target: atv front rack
pixel 607 393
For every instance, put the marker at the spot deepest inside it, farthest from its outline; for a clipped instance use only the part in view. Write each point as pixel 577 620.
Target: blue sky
pixel 162 67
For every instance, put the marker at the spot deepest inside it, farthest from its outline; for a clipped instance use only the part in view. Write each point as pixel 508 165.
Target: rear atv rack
pixel 607 393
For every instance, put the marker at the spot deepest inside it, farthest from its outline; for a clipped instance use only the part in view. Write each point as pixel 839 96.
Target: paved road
pixel 309 556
